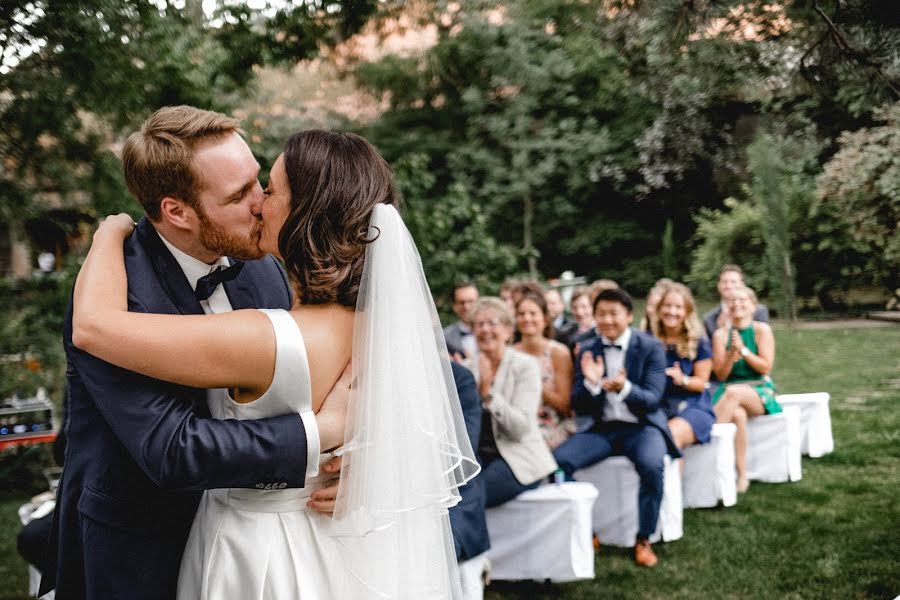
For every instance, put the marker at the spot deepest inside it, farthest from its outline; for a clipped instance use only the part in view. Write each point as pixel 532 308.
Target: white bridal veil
pixel 406 450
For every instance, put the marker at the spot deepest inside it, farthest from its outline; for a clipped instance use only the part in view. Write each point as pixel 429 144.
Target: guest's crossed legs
pixel 643 445
pixel 735 406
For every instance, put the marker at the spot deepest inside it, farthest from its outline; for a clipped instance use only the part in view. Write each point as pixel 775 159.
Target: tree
pixel 860 186
pixel 76 74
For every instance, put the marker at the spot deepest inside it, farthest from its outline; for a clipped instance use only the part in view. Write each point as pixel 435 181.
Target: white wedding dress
pixel 405 454
pixel 248 544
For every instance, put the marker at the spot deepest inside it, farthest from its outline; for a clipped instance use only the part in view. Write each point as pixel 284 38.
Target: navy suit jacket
pixel 645 366
pixel 140 450
pixel 470 535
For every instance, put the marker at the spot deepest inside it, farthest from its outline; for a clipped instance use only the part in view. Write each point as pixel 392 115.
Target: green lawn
pixel 834 534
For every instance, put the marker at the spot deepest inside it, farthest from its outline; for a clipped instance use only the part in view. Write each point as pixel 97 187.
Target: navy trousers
pixel 645 447
pixel 500 485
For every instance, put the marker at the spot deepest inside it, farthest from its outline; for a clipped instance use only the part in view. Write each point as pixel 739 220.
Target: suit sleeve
pixel 177 449
pixel 515 414
pixel 470 402
pixel 709 321
pixel 646 394
pixel 582 399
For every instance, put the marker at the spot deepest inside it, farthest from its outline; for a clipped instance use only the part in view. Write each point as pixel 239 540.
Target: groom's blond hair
pixel 158 158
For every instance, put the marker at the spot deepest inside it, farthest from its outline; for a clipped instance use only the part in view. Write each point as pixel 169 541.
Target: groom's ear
pixel 177 213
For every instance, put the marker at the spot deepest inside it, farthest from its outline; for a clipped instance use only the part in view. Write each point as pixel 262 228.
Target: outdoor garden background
pixel 627 139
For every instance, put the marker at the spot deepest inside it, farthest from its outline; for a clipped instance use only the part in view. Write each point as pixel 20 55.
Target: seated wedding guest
pixel 556 309
pixel 743 356
pixel 459 337
pixel 689 356
pixel 653 297
pixel 730 277
pixel 582 312
pixel 470 535
pixel 593 290
pixel 555 413
pixel 620 378
pixel 514 457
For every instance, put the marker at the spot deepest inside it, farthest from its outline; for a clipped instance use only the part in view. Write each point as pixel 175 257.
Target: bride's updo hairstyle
pixel 336 179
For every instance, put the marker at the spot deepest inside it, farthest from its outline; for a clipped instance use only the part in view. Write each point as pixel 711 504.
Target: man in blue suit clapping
pixel 620 378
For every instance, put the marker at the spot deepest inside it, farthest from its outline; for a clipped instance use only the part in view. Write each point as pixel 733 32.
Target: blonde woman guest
pixel 689 356
pixel 743 356
pixel 653 298
pixel 513 454
pixel 555 413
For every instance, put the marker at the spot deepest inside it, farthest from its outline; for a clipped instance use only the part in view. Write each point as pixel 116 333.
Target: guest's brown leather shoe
pixel 643 554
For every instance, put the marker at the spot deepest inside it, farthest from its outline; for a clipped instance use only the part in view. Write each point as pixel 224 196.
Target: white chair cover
pixel 615 517
pixel 773 447
pixel 543 533
pixel 709 475
pixel 815 422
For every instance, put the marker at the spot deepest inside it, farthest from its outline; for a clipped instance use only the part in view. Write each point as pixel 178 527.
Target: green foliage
pixel 729 236
pixel 77 75
pixel 31 325
pixel 451 232
pixel 777 191
pixel 860 187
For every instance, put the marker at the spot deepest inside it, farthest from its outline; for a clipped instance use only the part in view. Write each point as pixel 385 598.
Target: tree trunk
pixel 527 234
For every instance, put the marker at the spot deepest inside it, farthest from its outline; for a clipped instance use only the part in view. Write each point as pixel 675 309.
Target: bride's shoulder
pixel 324 324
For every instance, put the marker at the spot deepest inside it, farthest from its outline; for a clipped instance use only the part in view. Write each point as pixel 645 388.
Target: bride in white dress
pixel 330 215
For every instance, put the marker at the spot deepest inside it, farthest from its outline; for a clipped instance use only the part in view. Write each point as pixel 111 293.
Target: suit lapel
pixel 169 274
pixel 632 353
pixel 240 291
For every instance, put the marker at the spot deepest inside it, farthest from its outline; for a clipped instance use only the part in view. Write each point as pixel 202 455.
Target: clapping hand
pixel 615 384
pixel 675 373
pixel 737 344
pixel 485 375
pixel 592 368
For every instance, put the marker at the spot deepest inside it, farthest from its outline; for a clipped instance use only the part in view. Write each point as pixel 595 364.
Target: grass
pixel 834 534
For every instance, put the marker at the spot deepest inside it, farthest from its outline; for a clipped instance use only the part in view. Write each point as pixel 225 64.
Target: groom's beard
pixel 219 241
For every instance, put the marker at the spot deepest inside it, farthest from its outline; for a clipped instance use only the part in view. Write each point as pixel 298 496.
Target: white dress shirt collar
pixel 623 340
pixel 193 268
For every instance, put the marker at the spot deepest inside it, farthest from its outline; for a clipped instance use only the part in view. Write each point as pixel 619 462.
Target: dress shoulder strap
pixel 291 381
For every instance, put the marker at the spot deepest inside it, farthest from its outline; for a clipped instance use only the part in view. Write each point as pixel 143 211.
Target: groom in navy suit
pixel 140 451
pixel 620 381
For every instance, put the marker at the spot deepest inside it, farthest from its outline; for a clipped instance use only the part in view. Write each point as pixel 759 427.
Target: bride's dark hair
pixel 336 179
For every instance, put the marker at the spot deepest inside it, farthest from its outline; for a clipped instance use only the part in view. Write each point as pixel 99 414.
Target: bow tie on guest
pixel 207 284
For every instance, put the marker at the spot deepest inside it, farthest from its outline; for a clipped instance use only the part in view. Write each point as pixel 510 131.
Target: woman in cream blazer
pixel 513 453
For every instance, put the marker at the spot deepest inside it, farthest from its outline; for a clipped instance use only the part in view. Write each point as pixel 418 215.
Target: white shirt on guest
pixel 614 361
pixel 218 303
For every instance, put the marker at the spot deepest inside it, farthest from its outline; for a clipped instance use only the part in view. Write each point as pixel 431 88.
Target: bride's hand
pixel 323 500
pixel 118 226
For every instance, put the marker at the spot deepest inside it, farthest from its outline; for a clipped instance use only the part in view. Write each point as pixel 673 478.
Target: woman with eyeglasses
pixel 513 454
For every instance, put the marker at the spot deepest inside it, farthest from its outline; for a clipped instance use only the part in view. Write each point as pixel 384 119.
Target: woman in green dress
pixel 743 356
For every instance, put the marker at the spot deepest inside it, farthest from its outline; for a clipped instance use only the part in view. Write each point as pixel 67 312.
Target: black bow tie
pixel 616 346
pixel 208 283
